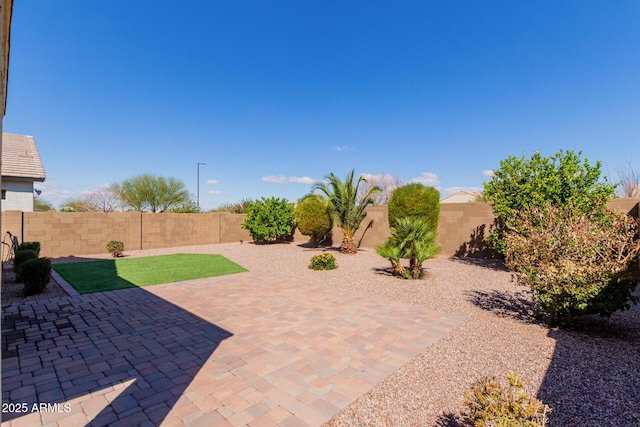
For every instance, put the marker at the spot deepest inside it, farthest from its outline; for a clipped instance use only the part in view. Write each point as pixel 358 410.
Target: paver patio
pixel 243 349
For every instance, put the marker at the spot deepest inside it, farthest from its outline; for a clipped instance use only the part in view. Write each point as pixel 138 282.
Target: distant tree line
pixel 143 193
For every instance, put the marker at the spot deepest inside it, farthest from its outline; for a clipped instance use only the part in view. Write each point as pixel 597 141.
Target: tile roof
pixel 470 194
pixel 20 158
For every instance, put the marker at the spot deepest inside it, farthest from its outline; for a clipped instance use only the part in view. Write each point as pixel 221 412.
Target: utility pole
pixel 198 186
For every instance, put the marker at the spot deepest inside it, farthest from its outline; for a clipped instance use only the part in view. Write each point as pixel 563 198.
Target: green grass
pixel 123 273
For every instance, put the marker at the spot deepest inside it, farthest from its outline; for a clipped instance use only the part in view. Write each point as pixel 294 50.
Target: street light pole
pixel 198 191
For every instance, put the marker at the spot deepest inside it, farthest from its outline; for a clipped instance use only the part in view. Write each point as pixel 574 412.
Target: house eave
pixel 22 178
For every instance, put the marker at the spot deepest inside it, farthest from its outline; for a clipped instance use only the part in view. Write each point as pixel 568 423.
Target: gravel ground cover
pixel 589 377
pixel 13 292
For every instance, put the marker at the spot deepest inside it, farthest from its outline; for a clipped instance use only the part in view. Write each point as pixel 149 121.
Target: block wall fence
pixel 461 230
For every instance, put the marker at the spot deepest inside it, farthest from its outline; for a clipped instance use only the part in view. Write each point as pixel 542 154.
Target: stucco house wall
pixel 17 195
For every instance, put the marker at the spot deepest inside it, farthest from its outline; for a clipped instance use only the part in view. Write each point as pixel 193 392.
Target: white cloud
pixel 343 148
pixel 487 173
pixel 50 192
pixel 427 178
pixel 213 182
pixel 276 179
pixel 304 180
pixel 215 192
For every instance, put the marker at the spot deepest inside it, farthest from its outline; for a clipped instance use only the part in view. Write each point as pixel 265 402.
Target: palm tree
pixel 394 254
pixel 347 206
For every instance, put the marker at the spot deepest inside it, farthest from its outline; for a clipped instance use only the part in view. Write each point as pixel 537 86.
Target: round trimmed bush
pixel 36 274
pixel 415 200
pixel 313 217
pixel 20 258
pixel 32 246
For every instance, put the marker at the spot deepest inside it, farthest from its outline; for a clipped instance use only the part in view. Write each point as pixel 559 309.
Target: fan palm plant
pixel 348 208
pixel 394 254
pixel 412 238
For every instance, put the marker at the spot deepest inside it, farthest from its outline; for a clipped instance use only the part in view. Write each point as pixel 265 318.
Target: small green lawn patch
pixel 123 273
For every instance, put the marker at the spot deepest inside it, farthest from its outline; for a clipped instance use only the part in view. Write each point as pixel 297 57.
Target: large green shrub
pixel 36 274
pixel 412 238
pixel 415 200
pixel 522 183
pixel 269 219
pixel 575 262
pixel 490 405
pixel 313 217
pixel 32 246
pixel 20 258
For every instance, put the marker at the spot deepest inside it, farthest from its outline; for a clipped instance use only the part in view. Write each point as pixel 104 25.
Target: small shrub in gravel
pixel 20 258
pixel 490 405
pixel 324 261
pixel 115 248
pixel 36 274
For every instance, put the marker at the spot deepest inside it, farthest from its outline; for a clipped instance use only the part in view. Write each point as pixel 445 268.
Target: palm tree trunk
pixel 398 268
pixel 348 244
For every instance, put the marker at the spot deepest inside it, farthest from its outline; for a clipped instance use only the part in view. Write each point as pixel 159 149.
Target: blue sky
pixel 272 95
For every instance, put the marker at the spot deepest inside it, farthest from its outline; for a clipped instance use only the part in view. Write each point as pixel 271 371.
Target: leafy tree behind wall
pixel 189 206
pixel 151 193
pixel 102 200
pixel 385 182
pixel 41 205
pixel 239 207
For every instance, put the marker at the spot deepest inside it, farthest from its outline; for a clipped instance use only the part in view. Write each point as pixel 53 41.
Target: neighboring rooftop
pixel 462 196
pixel 20 157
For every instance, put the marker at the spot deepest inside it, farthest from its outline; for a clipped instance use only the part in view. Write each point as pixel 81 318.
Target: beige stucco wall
pixel 461 230
pixel 463 227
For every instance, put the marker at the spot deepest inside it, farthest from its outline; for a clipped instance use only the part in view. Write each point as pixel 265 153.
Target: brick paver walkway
pixel 243 349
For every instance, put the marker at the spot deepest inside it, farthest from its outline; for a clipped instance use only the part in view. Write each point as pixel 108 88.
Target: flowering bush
pixel 324 261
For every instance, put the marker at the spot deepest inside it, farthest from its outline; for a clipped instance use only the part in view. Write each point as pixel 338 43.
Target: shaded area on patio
pixel 82 350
